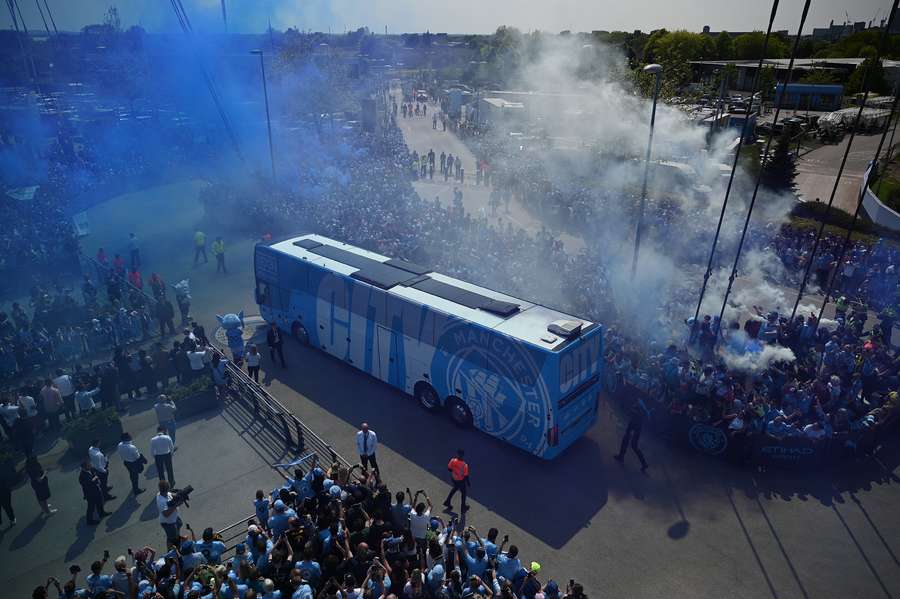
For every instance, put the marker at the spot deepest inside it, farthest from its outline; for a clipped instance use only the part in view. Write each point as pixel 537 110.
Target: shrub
pixel 177 392
pixel 103 424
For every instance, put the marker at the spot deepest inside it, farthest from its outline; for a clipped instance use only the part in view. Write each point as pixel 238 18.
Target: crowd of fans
pixel 60 329
pixel 328 532
pixel 37 240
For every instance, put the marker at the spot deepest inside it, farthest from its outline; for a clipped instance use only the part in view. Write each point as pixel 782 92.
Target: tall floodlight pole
pixel 262 68
pixel 657 71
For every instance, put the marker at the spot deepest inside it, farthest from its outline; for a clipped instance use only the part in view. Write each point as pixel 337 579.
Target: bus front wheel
pixel 298 331
pixel 459 412
pixel 427 396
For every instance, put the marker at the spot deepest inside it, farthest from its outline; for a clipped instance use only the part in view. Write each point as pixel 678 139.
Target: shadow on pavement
pixel 84 536
pixel 28 532
pixel 119 518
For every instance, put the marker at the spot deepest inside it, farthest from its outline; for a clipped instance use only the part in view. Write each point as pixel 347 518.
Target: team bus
pixel 517 370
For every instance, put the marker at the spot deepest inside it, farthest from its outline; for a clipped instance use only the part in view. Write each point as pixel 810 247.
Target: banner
pixel 790 452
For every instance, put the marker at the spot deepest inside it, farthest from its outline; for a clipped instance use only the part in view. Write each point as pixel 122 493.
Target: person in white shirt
pixel 66 388
pixel 162 447
pixel 165 414
pixel 366 443
pixel 197 360
pixel 133 460
pixel 10 413
pixel 168 516
pixel 27 402
pixel 418 523
pixel 99 462
pixel 253 358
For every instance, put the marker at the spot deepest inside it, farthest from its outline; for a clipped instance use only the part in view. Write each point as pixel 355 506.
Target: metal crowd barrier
pixel 290 429
pixel 103 272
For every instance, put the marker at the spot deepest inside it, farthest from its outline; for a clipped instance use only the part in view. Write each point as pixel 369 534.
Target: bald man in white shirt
pixel 366 444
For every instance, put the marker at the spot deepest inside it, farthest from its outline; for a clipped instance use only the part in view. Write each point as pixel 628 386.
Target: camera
pixel 181 496
pixel 74 569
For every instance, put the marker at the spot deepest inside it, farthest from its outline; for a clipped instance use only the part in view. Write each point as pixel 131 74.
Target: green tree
pixel 779 171
pixel 649 54
pixel 821 77
pixel 876 81
pixel 724 46
pixel 767 82
pixel 749 46
pixel 674 51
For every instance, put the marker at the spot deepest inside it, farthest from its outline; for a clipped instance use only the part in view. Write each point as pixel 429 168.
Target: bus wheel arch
pixel 460 413
pixel 426 396
pixel 299 332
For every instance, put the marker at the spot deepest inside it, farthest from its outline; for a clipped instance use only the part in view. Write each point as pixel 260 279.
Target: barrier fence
pixel 290 429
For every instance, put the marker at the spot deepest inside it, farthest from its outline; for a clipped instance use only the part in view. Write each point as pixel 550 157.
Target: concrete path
pixel 222 454
pixel 817 170
pixel 421 137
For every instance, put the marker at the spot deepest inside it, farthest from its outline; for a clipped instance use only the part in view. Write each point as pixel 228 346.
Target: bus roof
pixel 506 314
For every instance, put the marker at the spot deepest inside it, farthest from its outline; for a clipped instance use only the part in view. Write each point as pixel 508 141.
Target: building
pixel 809 96
pixel 833 32
pixel 746 69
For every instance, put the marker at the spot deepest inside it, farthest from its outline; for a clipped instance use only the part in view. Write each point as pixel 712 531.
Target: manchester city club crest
pixel 708 439
pixel 499 382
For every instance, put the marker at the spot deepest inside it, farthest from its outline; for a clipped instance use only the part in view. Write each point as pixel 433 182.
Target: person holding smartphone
pixel 96 581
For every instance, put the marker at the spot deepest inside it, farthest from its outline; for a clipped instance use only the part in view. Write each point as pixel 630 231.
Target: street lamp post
pixel 262 68
pixel 657 71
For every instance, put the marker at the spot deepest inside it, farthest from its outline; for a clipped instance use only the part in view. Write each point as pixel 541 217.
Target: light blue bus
pixel 517 370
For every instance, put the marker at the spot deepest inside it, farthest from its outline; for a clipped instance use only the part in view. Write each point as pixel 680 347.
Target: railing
pixel 103 272
pixel 291 429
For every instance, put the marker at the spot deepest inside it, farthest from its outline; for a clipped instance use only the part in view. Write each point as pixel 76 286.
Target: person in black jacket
pixel 636 415
pixel 165 314
pixel 275 341
pixel 92 489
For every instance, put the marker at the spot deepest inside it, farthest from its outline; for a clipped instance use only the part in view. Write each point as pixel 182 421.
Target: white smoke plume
pixel 601 125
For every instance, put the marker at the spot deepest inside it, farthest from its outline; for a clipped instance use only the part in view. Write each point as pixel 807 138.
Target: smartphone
pixel 106 554
pixel 571 582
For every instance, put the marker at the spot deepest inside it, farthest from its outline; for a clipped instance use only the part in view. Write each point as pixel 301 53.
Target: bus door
pixel 386 362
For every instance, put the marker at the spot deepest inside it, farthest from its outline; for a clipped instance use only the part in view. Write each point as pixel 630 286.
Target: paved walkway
pixel 419 136
pixel 817 170
pixel 220 453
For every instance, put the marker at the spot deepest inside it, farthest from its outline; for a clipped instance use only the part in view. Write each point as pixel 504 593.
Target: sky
pixel 454 16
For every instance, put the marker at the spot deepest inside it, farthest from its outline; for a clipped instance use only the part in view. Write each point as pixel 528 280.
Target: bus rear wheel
pixel 459 412
pixel 298 331
pixel 427 397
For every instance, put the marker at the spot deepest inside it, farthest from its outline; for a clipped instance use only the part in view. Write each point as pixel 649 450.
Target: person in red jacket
pixel 134 277
pixel 119 265
pixel 459 476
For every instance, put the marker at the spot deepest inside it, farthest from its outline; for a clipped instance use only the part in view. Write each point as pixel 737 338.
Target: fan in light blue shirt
pixel 508 563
